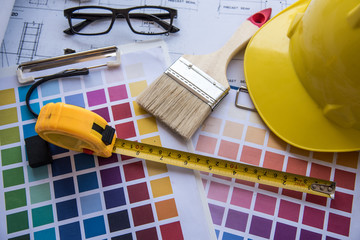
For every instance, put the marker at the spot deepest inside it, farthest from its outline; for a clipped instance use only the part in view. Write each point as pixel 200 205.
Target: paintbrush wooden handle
pixel 215 64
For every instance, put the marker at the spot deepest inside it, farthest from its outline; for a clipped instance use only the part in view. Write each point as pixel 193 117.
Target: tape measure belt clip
pixel 107 133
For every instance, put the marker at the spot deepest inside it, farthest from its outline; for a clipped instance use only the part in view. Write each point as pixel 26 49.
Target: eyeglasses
pixel 96 20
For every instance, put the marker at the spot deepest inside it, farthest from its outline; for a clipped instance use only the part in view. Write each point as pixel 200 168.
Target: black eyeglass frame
pixel 120 13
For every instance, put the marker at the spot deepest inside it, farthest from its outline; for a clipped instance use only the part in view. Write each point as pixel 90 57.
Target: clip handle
pixel 22 79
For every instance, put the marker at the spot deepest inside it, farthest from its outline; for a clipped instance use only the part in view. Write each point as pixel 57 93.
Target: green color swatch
pixel 17 222
pixel 9 135
pixel 13 177
pixel 8 116
pixel 15 199
pixel 36 174
pixel 42 215
pixel 7 96
pixel 11 156
pixel 23 237
pixel 40 193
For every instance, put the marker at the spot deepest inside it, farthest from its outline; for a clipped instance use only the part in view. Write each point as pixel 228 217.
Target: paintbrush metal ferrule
pixel 185 95
pixel 197 82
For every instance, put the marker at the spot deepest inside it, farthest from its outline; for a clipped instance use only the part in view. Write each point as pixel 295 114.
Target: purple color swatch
pixel 284 232
pixel 261 227
pixel 110 176
pixel 236 220
pixel 217 213
pixel 96 97
pixel 103 112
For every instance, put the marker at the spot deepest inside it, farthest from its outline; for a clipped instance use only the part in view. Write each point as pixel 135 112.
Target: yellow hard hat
pixel 302 71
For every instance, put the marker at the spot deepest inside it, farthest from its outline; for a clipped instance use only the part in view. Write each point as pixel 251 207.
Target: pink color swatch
pixel 345 179
pixel 117 93
pixel 265 204
pixel 134 171
pixel 313 217
pixel 228 149
pixel 121 111
pixel 218 191
pixel 339 224
pixel 206 144
pixel 125 130
pixel 241 197
pixel 250 155
pixel 289 210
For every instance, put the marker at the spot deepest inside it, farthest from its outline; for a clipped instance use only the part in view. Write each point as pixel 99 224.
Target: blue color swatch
pixel 94 226
pixel 77 100
pixel 61 166
pixel 84 161
pixel 114 198
pixel 66 209
pixel 22 93
pixel 70 231
pixel 87 182
pixel 90 203
pixel 64 187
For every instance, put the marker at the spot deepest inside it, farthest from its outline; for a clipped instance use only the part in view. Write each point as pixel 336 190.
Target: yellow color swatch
pixel 7 96
pixel 154 168
pixel 137 87
pixel 147 125
pixel 166 209
pixel 138 110
pixel 275 142
pixel 255 135
pixel 161 187
pixel 212 125
pixel 8 116
pixel 155 141
pixel 233 130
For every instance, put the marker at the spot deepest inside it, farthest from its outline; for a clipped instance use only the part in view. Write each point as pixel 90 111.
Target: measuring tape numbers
pixel 81 130
pixel 225 168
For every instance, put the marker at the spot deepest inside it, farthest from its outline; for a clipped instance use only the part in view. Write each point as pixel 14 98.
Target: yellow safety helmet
pixel 302 71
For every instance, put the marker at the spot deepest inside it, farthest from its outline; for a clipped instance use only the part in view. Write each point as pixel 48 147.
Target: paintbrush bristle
pixel 184 96
pixel 174 105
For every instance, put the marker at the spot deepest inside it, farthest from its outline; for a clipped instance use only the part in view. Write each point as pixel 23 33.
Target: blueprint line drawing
pixel 29 41
pixel 35 28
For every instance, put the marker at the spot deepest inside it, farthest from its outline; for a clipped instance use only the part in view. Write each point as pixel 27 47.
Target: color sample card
pixel 81 196
pixel 245 210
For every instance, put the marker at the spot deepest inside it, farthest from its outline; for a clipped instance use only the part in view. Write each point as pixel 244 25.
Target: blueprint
pixel 35 28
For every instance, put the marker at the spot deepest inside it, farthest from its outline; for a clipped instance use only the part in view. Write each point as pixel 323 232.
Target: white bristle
pixel 174 105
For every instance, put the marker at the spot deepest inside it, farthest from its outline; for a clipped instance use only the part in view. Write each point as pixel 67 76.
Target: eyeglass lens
pixel 91 20
pixel 141 20
pixel 150 20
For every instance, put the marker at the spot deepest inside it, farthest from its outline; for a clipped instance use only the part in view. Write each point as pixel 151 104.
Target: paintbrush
pixel 184 96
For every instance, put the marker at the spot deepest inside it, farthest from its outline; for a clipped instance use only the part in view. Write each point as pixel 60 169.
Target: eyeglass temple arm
pixel 89 18
pixel 93 17
pixel 78 26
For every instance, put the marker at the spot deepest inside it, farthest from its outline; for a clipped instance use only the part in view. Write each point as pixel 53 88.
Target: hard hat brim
pixel 279 96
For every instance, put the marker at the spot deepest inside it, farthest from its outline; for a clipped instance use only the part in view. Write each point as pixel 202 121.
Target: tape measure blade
pixel 225 168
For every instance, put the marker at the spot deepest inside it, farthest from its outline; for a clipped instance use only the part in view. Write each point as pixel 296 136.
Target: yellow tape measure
pixel 81 130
